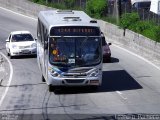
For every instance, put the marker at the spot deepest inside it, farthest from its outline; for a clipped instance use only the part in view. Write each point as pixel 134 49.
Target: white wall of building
pixel 155 6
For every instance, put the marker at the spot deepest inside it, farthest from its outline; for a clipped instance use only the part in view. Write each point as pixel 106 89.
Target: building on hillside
pixel 141 4
pixel 155 6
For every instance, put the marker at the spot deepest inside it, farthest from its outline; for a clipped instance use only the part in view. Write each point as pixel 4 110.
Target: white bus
pixel 69 49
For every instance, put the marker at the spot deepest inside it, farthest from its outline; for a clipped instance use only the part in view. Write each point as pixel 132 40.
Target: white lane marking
pixel 121 95
pixel 149 62
pixel 9 81
pixel 17 13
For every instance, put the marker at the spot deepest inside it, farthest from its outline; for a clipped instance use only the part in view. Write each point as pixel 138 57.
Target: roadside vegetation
pixel 147 28
pixel 98 9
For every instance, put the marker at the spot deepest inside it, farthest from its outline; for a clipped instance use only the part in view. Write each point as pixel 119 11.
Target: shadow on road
pixel 23 85
pixel 118 80
pixel 114 60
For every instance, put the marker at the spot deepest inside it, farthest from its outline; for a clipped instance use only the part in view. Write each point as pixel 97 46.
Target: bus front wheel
pixel 43 79
pixel 51 88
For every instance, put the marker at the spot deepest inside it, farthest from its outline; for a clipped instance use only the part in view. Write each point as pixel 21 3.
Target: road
pixel 130 84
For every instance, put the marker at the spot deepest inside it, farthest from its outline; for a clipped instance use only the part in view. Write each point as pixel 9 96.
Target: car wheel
pixel 11 56
pixel 8 53
pixel 43 79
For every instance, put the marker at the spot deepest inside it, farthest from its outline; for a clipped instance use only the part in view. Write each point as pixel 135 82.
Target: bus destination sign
pixel 75 31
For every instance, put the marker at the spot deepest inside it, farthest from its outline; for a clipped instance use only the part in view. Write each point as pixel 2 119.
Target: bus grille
pixel 74 81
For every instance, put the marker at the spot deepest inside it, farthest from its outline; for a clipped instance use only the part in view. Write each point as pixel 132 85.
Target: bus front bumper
pixel 88 81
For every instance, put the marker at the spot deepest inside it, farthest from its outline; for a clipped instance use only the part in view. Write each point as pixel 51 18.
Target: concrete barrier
pixel 144 46
pixel 131 40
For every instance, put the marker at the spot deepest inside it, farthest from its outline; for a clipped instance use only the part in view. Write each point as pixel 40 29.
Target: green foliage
pixel 157 34
pixel 150 33
pixel 39 1
pixel 96 8
pixel 35 1
pixel 147 28
pixel 128 20
pixel 141 26
pixel 110 19
pixel 69 3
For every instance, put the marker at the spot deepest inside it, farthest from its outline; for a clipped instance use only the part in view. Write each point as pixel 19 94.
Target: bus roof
pixel 52 18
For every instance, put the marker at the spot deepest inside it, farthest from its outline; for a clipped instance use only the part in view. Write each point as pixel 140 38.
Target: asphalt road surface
pixel 130 85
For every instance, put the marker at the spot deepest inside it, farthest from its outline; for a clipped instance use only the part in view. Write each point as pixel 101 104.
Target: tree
pixel 96 8
pixel 128 19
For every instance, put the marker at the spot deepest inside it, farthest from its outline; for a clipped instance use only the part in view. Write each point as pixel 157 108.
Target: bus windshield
pixel 75 51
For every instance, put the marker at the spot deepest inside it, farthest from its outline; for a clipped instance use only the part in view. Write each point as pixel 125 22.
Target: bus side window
pixel 42 34
pixel 45 39
pixel 38 31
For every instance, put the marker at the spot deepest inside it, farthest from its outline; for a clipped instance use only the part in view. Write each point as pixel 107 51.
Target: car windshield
pixel 22 37
pixel 75 51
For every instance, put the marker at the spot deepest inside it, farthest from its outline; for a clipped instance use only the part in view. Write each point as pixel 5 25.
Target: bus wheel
pixel 51 88
pixel 43 79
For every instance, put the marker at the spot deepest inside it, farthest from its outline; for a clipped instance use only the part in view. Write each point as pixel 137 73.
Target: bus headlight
pixel 94 73
pixel 53 73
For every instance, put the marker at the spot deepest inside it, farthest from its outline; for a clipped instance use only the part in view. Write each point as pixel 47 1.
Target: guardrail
pixel 144 46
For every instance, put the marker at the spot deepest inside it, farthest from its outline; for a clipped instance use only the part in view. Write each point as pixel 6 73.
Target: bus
pixel 69 49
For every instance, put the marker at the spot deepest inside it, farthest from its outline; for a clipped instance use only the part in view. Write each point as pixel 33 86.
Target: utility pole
pixel 119 8
pixel 116 11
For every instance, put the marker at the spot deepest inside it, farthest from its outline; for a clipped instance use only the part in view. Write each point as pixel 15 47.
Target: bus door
pixel 45 55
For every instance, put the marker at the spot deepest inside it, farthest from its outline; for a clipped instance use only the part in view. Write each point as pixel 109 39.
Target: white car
pixel 21 43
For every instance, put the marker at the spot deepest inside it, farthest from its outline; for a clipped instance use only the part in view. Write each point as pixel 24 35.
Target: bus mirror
pixel 46 45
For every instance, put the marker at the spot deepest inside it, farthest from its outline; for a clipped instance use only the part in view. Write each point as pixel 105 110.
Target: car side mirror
pixel 7 40
pixel 109 43
pixel 35 39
